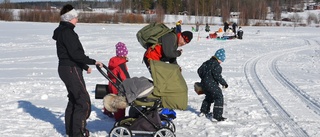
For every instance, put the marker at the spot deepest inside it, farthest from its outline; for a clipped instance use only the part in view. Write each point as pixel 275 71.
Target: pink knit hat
pixel 121 49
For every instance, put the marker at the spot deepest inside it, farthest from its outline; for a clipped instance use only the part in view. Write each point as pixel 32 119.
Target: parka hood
pixel 116 61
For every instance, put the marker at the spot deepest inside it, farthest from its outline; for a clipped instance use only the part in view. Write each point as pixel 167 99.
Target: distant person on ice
pixel 210 74
pixel 207 29
pixel 72 61
pixel 225 26
pixel 234 28
pixel 178 26
pixel 240 33
pixel 197 26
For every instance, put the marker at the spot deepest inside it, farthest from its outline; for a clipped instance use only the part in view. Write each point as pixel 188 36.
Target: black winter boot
pixel 220 118
pixel 217 113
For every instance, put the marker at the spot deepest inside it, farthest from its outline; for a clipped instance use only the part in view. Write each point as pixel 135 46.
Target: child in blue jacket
pixel 210 74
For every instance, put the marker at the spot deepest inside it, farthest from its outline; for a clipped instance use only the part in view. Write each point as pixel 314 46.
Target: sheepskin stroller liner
pixel 146 119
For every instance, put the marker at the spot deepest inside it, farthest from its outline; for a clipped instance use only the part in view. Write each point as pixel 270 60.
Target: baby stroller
pixel 150 117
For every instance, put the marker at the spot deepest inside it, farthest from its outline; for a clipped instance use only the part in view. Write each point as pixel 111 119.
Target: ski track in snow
pixel 282 108
pixel 266 95
pixel 310 101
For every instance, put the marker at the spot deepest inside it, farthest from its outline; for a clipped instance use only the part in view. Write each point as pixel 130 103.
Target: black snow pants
pixel 213 95
pixel 79 104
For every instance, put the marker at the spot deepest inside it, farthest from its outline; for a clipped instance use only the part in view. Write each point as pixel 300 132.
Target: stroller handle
pixel 107 77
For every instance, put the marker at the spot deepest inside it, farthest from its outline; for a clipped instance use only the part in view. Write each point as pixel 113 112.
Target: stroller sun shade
pixel 169 85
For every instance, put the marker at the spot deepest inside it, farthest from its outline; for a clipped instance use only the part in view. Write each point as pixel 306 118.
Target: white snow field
pixel 273 76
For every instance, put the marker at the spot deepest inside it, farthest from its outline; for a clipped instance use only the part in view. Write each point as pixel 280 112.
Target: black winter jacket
pixel 69 48
pixel 210 74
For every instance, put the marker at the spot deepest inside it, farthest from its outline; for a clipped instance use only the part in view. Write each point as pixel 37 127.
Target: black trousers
pixel 79 105
pixel 213 95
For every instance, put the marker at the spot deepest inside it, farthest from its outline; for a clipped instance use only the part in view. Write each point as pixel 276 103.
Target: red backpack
pixel 154 52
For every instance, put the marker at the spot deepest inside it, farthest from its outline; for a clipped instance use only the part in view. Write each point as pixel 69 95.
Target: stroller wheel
pixel 164 132
pixel 169 124
pixel 120 132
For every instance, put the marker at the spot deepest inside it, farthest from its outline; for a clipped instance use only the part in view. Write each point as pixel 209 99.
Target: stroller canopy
pixel 169 85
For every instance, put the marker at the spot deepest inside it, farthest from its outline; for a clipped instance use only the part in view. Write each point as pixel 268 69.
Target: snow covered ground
pixel 273 76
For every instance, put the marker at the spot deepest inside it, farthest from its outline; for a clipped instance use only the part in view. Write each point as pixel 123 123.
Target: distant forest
pixel 248 9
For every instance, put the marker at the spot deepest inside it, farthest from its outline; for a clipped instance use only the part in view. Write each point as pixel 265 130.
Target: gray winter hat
pixel 69 15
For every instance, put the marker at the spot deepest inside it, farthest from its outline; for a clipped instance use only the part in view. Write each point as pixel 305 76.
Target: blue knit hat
pixel 220 54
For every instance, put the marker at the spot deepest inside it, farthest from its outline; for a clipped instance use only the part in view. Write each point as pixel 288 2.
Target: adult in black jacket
pixel 72 61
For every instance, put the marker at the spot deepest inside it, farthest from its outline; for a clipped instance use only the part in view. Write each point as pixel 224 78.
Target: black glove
pixel 226 86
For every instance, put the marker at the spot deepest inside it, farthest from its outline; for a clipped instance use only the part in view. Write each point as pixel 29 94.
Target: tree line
pixel 248 9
